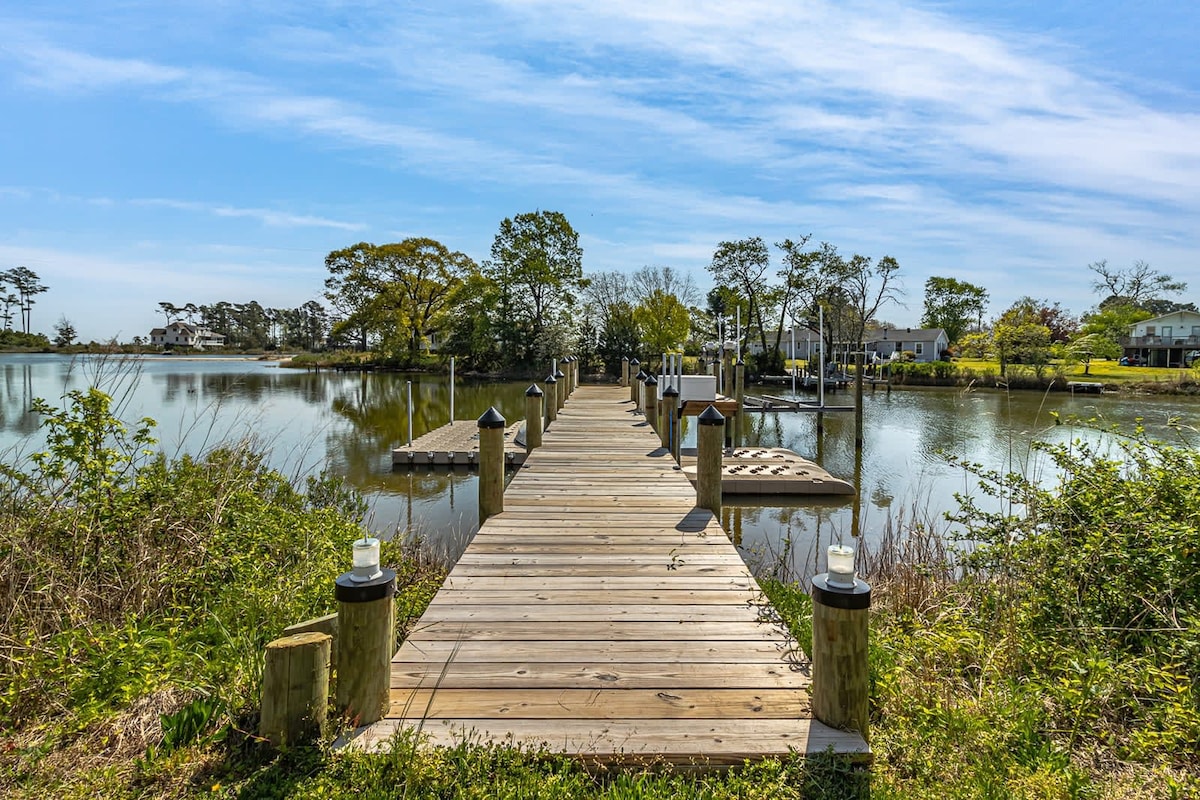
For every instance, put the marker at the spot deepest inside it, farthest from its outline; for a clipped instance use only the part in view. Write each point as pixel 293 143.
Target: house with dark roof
pixel 182 334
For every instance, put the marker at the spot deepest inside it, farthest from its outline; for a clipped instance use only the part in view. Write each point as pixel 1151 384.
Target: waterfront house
pixel 182 334
pixel 926 344
pixel 1163 341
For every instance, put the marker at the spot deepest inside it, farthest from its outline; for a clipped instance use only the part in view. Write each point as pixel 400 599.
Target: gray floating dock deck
pixel 456 445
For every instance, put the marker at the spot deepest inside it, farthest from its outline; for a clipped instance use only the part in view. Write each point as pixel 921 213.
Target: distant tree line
pixel 252 326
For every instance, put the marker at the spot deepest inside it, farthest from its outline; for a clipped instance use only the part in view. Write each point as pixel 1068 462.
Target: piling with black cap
pixel 633 384
pixel 625 371
pixel 639 390
pixel 840 668
pixel 366 644
pixel 710 447
pixel 533 418
pixel 560 387
pixel 670 428
pixel 651 393
pixel 491 464
pixel 551 401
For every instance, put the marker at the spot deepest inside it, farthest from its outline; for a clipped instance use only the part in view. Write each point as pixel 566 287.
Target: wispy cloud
pixel 266 216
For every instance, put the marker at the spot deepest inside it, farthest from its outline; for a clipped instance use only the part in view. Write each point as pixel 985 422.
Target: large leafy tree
pixel 400 292
pixel 742 267
pixel 1020 337
pixel 537 267
pixel 664 322
pixel 953 305
pixel 850 291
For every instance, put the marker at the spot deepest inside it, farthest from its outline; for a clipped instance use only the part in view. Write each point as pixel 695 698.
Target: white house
pixel 181 334
pixel 1164 341
pixel 927 344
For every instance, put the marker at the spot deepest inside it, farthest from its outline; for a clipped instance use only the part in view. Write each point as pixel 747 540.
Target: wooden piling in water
pixel 491 464
pixel 295 690
pixel 710 445
pixel 366 643
pixel 739 394
pixel 670 411
pixel 840 673
pixel 551 399
pixel 859 359
pixel 533 418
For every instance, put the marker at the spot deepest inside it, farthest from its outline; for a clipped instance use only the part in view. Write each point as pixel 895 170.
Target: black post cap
pixel 633 362
pixel 846 598
pixel 670 391
pixel 533 391
pixel 347 590
pixel 550 379
pixel 559 374
pixel 491 419
pixel 651 381
pixel 641 376
pixel 710 416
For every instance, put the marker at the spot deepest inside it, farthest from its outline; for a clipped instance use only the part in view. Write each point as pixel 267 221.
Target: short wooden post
pixel 651 390
pixel 670 428
pixel 572 375
pixel 633 384
pixel 840 674
pixel 295 690
pixel 366 644
pixel 625 371
pixel 551 401
pixel 710 446
pixel 560 386
pixel 533 418
pixel 491 464
pixel 739 394
pixel 639 390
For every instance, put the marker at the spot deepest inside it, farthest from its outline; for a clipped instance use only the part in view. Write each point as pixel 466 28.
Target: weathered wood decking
pixel 604 616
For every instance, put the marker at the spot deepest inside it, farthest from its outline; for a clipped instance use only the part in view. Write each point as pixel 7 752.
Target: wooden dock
pixel 456 445
pixel 604 616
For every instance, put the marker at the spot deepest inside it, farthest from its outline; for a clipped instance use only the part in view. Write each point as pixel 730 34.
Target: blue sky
pixel 204 151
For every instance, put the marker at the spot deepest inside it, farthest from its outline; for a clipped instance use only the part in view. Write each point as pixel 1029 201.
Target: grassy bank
pixel 1059 658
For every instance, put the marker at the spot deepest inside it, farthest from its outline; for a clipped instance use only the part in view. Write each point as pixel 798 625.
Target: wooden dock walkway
pixel 603 615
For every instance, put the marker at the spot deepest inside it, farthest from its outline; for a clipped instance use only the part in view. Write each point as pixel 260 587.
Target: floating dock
pixel 456 445
pixel 603 615
pixel 766 471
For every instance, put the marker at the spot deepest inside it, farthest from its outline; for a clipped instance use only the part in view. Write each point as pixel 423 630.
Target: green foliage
pixel 953 305
pixel 663 322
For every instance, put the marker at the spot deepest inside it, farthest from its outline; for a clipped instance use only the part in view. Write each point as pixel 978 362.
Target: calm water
pixel 348 423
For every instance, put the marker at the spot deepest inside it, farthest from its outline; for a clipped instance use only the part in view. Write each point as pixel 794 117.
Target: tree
pixel 741 266
pixel 668 280
pixel 9 300
pixel 537 266
pixel 850 291
pixel 64 332
pixel 28 285
pixel 1136 286
pixel 619 338
pixel 1091 345
pixel 1019 337
pixel 401 292
pixel 663 321
pixel 953 305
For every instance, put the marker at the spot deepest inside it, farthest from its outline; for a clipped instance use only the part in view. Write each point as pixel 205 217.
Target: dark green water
pixel 348 424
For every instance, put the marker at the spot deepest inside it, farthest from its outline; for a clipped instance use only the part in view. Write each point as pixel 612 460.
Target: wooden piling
pixel 491 464
pixel 295 690
pixel 710 447
pixel 625 371
pixel 533 418
pixel 651 395
pixel 840 673
pixel 551 401
pixel 858 399
pixel 669 434
pixel 639 390
pixel 633 384
pixel 366 644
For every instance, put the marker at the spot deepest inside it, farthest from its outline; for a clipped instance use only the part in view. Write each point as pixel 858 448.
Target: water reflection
pixel 349 423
